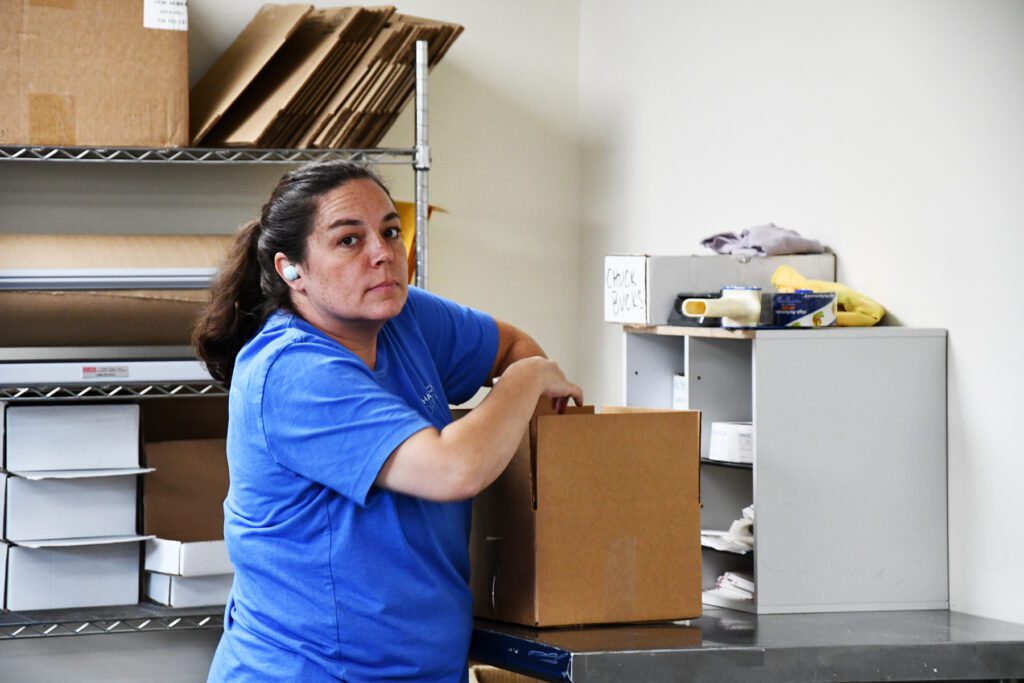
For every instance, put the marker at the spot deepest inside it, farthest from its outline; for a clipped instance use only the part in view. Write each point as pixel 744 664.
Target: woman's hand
pixel 549 379
pixel 467 455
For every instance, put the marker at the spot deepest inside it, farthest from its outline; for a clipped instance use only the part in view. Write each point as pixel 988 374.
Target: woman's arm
pixel 513 345
pixel 464 458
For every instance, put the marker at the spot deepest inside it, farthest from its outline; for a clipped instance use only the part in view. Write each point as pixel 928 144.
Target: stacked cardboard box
pixel 301 77
pixel 187 563
pixel 69 506
pixel 103 72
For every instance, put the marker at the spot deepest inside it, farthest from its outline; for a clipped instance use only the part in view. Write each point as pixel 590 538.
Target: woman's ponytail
pixel 237 306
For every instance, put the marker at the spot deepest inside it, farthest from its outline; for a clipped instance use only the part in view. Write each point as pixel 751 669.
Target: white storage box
pixel 197 558
pixel 69 504
pixel 188 591
pixel 71 437
pixel 67 574
pixel 732 442
pixel 641 289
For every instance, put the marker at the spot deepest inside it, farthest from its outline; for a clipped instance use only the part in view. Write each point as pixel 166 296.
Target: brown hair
pixel 247 288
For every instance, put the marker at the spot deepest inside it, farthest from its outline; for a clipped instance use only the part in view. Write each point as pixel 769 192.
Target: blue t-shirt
pixel 336 578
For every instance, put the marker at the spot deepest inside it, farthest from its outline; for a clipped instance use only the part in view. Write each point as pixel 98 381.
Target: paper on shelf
pixel 719 540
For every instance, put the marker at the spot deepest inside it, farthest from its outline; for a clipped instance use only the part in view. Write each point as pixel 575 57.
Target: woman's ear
pixel 288 271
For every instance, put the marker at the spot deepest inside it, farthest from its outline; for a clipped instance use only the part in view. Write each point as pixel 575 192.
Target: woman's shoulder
pixel 286 341
pixel 422 303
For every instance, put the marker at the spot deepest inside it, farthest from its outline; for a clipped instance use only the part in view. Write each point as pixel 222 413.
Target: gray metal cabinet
pixel 849 475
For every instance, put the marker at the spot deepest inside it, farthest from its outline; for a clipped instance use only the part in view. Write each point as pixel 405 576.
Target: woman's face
pixel 354 275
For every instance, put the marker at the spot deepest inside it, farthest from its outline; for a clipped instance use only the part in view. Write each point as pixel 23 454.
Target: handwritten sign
pixel 625 289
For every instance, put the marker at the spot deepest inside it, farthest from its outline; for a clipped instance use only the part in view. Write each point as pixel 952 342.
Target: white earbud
pixel 290 273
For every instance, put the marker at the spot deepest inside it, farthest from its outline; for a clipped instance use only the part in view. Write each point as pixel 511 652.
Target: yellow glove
pixel 854 309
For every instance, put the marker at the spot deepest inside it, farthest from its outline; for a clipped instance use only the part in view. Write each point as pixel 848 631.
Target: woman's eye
pixel 392 233
pixel 348 241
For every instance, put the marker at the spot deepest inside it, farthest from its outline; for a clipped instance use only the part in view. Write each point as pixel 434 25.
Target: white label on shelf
pixel 105 372
pixel 169 15
pixel 625 289
pixel 680 392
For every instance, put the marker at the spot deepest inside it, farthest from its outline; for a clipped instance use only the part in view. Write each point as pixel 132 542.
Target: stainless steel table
pixel 725 646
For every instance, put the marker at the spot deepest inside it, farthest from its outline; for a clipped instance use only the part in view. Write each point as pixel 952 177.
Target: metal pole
pixel 421 164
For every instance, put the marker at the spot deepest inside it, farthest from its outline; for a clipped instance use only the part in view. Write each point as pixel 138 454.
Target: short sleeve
pixel 462 341
pixel 327 419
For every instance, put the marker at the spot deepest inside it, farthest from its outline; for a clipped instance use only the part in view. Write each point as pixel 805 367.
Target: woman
pixel 347 518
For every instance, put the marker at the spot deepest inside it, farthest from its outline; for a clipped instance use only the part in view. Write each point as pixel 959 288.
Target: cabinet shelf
pixel 814 466
pixel 99 620
pixel 202 155
pixel 683 331
pixel 722 463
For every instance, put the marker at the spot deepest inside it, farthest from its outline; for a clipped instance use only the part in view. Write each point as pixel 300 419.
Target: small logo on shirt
pixel 429 399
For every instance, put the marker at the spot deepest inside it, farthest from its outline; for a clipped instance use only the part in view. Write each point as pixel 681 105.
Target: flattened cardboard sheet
pixel 105 318
pixel 234 70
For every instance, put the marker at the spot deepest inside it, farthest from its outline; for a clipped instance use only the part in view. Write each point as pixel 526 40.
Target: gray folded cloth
pixel 762 240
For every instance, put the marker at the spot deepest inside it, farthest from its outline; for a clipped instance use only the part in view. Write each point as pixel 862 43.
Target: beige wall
pixel 889 130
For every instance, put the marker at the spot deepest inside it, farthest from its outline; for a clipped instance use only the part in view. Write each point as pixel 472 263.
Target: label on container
pixel 805 309
pixel 167 15
pixel 680 392
pixel 104 372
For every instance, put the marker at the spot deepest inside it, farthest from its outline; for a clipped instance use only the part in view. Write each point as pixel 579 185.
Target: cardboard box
pixel 179 591
pixel 183 506
pixel 196 558
pixel 97 73
pixel 595 520
pixel 62 575
pixel 41 438
pixel 641 289
pixel 69 504
pixel 105 318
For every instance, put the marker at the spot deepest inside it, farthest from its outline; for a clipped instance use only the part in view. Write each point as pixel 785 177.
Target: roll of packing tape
pixel 732 442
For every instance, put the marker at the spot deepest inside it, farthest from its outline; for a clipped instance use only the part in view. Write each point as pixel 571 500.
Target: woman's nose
pixel 380 251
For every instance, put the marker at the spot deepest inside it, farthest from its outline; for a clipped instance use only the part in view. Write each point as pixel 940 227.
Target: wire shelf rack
pixel 111 392
pixel 137 619
pixel 198 155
